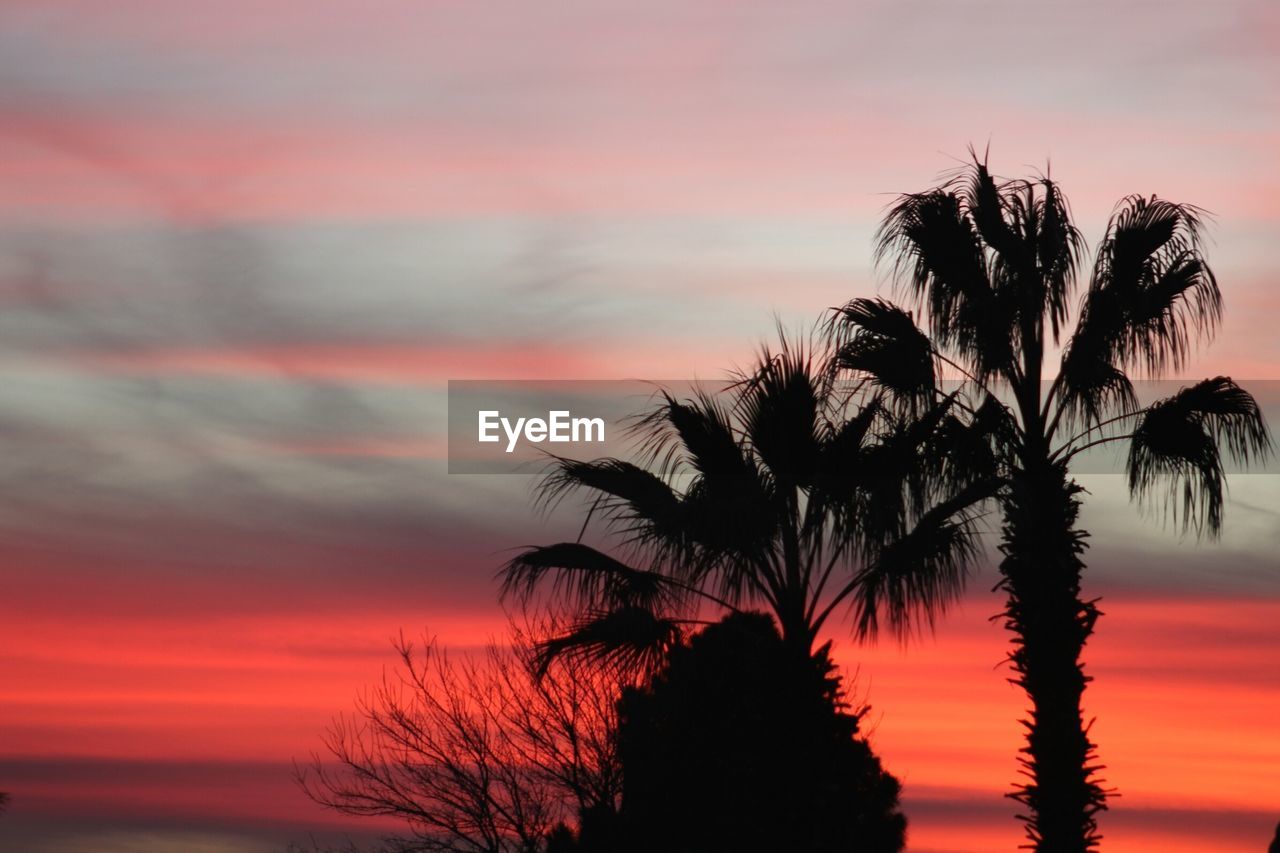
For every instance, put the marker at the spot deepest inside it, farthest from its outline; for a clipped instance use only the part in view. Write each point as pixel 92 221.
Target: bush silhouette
pixel 741 744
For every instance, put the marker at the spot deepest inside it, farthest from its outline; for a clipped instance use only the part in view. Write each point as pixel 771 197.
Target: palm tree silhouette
pixel 991 265
pixel 796 495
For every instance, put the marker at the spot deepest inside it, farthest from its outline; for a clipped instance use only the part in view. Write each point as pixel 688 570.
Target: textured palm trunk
pixel 796 631
pixel 1051 624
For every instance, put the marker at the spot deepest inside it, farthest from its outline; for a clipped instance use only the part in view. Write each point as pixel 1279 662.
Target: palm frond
pixel 726 510
pixel 1059 246
pixel 635 639
pixel 1034 247
pixel 1030 251
pixel 842 452
pixel 631 486
pixel 633 501
pixel 1180 441
pixel 990 205
pixel 584 576
pixel 892 479
pixel 839 487
pixel 1092 385
pixel 938 255
pixel 697 434
pixel 916 577
pixel 976 447
pixel 877 338
pixel 1152 294
pixel 734 536
pixel 781 409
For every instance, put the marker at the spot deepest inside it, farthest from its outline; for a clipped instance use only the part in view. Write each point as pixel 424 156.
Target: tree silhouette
pixel 992 266
pixel 739 744
pixel 481 754
pixel 796 495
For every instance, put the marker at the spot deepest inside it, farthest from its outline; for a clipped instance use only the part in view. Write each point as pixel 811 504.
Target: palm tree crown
pixel 992 266
pixel 798 494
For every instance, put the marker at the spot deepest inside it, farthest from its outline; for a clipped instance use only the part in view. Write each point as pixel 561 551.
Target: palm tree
pixel 797 495
pixel 991 265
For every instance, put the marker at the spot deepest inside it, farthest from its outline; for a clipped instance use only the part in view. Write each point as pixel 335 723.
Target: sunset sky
pixel 244 245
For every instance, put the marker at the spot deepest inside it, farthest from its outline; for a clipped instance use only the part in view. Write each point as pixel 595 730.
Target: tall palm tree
pixel 991 265
pixel 795 494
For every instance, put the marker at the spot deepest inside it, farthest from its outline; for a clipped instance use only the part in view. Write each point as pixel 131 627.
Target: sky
pixel 244 245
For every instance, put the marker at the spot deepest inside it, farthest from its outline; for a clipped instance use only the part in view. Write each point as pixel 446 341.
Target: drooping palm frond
pixel 885 486
pixel 1059 246
pixel 1090 384
pixel 841 451
pixel 888 484
pixel 977 445
pixel 727 508
pixel 877 338
pixel 635 639
pixel 918 577
pixel 735 537
pixel 586 577
pixel 997 210
pixel 1152 293
pixel 1180 441
pixel 938 255
pixel 628 492
pixel 696 435
pixel 1034 247
pixel 914 578
pixel 909 455
pixel 844 441
pixel 1151 297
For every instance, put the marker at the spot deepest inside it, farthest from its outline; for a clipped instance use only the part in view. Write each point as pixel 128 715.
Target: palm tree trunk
pixel 797 633
pixel 1051 624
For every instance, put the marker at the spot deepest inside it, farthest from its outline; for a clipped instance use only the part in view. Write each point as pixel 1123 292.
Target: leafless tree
pixel 478 752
